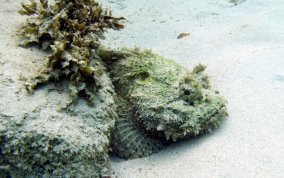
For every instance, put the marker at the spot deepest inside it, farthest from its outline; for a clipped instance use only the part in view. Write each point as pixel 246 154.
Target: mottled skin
pixel 159 101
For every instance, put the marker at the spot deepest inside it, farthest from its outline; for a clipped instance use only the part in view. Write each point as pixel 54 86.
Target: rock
pixel 42 141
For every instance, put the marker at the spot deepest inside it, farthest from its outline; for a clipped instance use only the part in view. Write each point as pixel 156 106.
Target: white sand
pixel 243 47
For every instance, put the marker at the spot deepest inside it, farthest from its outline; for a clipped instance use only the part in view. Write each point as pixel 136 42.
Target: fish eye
pixel 187 92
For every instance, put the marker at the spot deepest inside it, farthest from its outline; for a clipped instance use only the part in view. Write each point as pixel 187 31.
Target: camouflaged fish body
pixel 161 101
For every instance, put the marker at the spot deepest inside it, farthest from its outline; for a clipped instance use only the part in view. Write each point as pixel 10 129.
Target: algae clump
pixel 72 29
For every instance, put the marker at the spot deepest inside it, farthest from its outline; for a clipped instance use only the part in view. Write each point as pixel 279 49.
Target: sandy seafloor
pixel 243 47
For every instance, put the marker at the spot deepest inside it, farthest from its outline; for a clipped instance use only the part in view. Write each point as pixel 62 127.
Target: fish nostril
pixel 144 75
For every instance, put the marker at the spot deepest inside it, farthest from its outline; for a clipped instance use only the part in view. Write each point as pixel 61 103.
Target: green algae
pixel 71 29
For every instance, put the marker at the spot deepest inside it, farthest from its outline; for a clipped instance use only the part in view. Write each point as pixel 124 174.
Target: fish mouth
pixel 180 119
pixel 202 117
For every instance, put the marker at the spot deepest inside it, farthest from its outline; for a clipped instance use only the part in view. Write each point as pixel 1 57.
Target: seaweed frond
pixel 71 29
